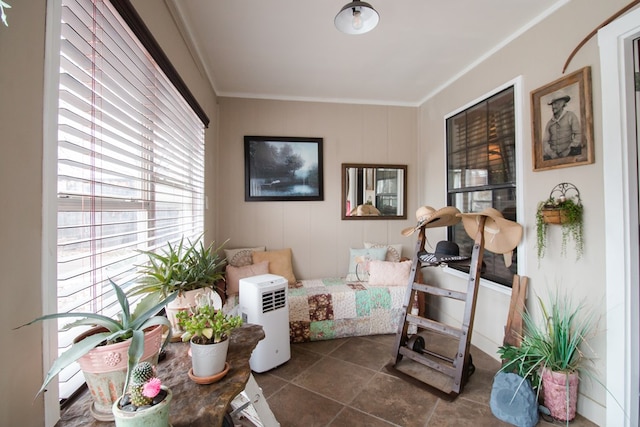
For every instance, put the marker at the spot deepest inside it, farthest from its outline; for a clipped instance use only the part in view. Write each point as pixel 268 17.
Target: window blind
pixel 481 161
pixel 130 163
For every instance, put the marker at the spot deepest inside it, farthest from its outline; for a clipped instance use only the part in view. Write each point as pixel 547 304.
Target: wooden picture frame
pixel 562 125
pixel 283 169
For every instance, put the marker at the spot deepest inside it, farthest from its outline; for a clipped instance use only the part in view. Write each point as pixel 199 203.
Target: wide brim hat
pixel 501 236
pixel 445 252
pixel 431 218
pixel 365 210
pixel 560 96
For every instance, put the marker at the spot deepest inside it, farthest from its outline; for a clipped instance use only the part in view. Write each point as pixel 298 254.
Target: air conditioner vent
pixel 274 300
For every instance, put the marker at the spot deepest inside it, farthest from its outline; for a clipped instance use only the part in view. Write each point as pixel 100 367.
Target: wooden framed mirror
pixel 374 191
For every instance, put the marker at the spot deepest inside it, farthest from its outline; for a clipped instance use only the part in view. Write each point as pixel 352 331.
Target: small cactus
pixel 142 375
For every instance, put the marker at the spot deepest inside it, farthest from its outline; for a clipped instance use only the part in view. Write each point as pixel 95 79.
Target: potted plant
pixel 146 402
pixel 565 209
pixel 107 352
pixel 550 355
pixel 207 330
pixel 184 268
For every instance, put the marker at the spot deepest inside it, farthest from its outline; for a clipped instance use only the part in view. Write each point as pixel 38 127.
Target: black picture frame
pixel 283 168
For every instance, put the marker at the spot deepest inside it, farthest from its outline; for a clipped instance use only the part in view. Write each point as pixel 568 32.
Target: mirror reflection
pixel 373 191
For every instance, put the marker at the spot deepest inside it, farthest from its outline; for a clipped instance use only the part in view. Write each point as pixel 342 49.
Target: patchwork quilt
pixel 324 309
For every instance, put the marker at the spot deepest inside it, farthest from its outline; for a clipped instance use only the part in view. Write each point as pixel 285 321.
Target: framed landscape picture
pixel 563 122
pixel 282 169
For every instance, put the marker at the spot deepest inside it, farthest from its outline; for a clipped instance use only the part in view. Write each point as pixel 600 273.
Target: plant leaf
pixel 74 353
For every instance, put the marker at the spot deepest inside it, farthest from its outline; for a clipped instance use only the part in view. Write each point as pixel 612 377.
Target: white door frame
pixel 621 217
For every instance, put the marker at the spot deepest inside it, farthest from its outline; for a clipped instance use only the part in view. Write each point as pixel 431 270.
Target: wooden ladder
pixel 415 355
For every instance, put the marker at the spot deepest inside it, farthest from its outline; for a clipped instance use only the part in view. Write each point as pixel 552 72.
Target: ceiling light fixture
pixel 357 17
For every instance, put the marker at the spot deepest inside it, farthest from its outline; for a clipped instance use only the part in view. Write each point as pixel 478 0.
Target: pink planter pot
pixel 554 391
pixel 105 369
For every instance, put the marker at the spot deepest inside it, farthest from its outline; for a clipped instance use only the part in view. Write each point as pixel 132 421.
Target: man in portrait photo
pixel 563 133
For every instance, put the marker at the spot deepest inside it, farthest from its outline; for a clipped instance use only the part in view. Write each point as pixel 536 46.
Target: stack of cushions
pixel 384 256
pixel 248 262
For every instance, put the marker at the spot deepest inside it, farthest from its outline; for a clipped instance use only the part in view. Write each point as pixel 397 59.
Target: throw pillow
pixel 386 273
pixel 241 256
pixel 394 252
pixel 234 274
pixel 279 263
pixel 359 260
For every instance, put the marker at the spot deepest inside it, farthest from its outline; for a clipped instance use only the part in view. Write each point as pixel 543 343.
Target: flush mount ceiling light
pixel 357 17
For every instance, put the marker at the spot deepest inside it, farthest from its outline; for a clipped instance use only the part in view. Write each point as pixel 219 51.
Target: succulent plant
pixel 142 381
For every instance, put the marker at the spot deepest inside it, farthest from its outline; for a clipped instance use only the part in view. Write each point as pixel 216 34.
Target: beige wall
pixel 320 240
pixel 538 56
pixel 22 51
pixel 21 101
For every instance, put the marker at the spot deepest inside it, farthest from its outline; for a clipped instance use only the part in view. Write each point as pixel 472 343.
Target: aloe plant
pixel 130 325
pixel 179 268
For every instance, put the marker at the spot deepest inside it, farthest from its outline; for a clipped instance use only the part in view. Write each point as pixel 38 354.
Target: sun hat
pixel 446 251
pixel 501 236
pixel 365 210
pixel 430 218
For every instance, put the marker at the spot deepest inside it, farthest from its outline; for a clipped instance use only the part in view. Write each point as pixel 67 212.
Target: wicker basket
pixel 553 216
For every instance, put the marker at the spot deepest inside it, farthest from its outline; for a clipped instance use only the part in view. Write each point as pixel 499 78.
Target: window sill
pixel 483 282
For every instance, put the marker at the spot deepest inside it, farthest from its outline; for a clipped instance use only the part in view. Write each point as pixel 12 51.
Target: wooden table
pixel 192 404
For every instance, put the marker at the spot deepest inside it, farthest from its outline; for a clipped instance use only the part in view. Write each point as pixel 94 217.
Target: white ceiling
pixel 290 49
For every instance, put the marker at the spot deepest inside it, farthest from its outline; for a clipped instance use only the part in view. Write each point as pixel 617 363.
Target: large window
pixel 130 161
pixel 481 170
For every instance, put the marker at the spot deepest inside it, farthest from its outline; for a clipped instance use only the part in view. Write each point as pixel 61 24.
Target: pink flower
pixel 151 388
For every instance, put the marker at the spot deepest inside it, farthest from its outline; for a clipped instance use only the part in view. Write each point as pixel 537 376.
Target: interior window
pixel 481 172
pixel 130 162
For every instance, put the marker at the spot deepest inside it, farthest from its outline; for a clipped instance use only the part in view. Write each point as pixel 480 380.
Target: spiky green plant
pixel 180 267
pixel 141 374
pixel 130 325
pixel 554 343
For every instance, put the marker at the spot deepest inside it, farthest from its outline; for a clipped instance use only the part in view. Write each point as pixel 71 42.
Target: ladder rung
pixel 440 367
pixel 433 290
pixel 435 326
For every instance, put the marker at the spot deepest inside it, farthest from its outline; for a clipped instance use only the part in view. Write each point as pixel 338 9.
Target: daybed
pixel 368 301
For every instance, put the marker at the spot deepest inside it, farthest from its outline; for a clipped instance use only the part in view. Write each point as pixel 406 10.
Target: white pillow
pixel 394 252
pixel 386 273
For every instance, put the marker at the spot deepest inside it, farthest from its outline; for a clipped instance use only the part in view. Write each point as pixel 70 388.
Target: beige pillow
pixel 394 252
pixel 241 256
pixel 279 263
pixel 234 274
pixel 386 273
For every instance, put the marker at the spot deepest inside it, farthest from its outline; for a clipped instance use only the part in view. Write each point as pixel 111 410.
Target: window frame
pixel 517 84
pixel 50 168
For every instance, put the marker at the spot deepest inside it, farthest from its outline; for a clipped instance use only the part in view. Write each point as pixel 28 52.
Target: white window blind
pixel 130 162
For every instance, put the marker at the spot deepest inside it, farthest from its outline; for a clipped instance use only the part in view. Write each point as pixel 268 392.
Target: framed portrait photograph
pixel 562 124
pixel 282 169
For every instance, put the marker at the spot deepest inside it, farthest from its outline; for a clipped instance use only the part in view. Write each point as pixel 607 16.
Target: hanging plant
pixel 566 210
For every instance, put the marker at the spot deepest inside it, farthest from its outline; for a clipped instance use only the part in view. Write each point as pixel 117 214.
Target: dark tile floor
pixel 349 383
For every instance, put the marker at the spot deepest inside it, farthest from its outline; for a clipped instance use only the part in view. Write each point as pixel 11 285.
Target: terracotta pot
pixel 559 397
pixel 154 416
pixel 105 369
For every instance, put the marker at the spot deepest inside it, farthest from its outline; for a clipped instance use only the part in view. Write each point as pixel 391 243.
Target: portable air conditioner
pixel 263 301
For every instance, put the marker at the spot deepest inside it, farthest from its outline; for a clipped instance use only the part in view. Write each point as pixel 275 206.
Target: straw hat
pixel 501 236
pixel 430 218
pixel 365 210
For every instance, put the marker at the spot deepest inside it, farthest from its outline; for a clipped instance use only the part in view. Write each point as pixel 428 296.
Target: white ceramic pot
pixel 208 359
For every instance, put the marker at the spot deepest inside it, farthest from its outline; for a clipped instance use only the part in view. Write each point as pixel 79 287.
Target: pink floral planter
pixel 105 368
pixel 554 391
